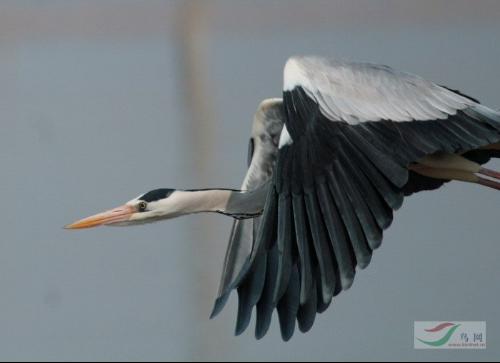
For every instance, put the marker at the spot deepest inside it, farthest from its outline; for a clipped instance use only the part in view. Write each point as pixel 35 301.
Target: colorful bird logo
pixel 450 329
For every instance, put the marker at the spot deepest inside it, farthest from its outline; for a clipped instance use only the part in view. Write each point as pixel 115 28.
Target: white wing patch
pixel 285 138
pixel 361 92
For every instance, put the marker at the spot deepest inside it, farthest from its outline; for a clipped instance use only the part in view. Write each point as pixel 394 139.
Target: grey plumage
pixel 361 92
pixel 329 164
pixel 334 179
pixel 267 125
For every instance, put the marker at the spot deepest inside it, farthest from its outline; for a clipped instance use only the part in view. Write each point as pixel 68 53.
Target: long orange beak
pixel 117 215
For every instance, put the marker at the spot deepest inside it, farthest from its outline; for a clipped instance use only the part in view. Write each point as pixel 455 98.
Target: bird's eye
pixel 142 206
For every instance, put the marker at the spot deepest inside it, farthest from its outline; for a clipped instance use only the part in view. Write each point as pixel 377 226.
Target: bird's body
pixel 329 163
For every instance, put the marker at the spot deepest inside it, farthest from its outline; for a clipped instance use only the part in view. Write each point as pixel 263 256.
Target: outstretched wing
pixel 364 92
pixel 351 131
pixel 262 150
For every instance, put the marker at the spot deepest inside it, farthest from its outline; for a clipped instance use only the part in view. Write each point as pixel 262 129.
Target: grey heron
pixel 329 163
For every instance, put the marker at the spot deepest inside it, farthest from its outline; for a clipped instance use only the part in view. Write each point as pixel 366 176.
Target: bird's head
pixel 153 206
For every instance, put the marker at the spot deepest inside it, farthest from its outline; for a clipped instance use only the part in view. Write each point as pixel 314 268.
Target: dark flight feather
pixel 326 269
pixel 266 305
pixel 249 294
pixel 341 249
pixel 303 246
pixel 356 235
pixel 334 191
pixel 286 237
pixel 307 310
pixel 289 304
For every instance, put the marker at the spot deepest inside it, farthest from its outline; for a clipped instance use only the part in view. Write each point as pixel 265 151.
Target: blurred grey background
pixel 103 100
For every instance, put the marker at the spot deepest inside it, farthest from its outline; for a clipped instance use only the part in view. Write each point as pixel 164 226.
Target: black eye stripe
pixel 156 194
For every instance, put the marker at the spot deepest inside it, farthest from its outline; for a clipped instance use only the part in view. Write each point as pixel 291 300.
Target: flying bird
pixel 329 163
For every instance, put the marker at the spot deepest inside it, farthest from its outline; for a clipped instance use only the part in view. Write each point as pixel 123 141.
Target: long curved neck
pixel 235 203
